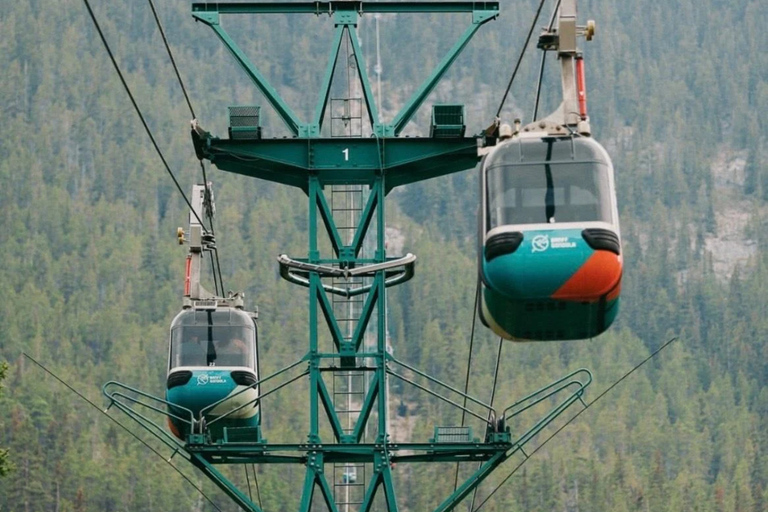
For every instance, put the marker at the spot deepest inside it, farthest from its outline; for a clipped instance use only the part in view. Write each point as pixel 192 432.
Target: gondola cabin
pixel 550 247
pixel 213 370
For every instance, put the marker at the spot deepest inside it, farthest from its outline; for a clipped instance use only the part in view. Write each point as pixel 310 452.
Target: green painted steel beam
pixel 389 488
pixel 413 104
pixel 470 484
pixel 327 401
pixel 443 458
pixel 325 89
pixel 338 161
pixel 331 7
pixel 365 219
pixel 327 493
pixel 327 309
pixel 216 459
pixel 308 492
pixel 370 491
pixel 365 412
pixel 314 478
pixel 269 92
pixel 362 73
pixel 365 318
pixel 224 484
pixel 330 224
pixel 357 450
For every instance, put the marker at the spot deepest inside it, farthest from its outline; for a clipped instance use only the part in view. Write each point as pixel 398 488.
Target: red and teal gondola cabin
pixel 549 242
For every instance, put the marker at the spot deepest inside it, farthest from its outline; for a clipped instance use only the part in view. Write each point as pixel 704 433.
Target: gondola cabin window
pixel 548 193
pixel 197 346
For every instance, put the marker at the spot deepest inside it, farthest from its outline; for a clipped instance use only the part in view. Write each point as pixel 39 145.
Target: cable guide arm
pixel 289 268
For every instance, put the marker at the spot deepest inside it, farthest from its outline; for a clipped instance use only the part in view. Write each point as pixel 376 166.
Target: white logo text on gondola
pixel 204 379
pixel 541 243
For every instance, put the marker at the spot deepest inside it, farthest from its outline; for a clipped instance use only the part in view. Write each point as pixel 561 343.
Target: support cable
pixel 520 58
pixel 466 379
pixel 556 432
pixel 248 481
pixel 256 481
pixel 209 214
pixel 147 445
pixel 538 86
pixel 496 375
pixel 170 55
pixel 493 396
pixel 138 110
pixel 214 266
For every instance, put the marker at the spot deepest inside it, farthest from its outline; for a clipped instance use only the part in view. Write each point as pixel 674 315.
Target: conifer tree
pixel 5 464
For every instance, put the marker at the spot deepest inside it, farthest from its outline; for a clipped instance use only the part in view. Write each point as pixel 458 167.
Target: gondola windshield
pixel 230 345
pixel 548 193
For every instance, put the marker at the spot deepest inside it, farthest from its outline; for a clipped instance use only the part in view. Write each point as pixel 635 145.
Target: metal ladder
pixel 349 386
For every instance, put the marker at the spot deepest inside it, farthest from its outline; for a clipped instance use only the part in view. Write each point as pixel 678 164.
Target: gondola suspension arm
pixel 562 38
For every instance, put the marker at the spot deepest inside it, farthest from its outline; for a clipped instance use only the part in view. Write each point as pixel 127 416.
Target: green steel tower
pixel 346 177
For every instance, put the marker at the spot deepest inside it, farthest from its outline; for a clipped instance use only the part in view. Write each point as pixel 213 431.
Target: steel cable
pixel 556 432
pixel 220 283
pixel 170 55
pixel 520 58
pixel 147 445
pixel 138 110
pixel 256 481
pixel 466 378
pixel 248 481
pixel 493 396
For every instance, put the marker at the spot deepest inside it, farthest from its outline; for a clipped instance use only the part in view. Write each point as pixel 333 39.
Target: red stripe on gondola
pixel 598 276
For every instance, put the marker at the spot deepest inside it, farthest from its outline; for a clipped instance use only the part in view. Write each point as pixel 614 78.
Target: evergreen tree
pixel 5 464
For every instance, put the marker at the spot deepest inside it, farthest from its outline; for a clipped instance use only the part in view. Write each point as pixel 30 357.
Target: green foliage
pixel 5 464
pixel 91 275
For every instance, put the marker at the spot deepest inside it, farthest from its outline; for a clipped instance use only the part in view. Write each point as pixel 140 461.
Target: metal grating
pixel 447 121
pixel 453 435
pixel 242 434
pixel 244 122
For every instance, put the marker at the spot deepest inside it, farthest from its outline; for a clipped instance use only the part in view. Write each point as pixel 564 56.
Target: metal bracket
pixel 479 17
pixel 286 264
pixel 209 18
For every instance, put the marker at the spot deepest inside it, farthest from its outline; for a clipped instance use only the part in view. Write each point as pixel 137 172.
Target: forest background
pixel 91 273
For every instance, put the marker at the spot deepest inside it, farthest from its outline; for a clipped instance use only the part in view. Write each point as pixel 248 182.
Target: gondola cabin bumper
pixel 197 389
pixel 557 284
